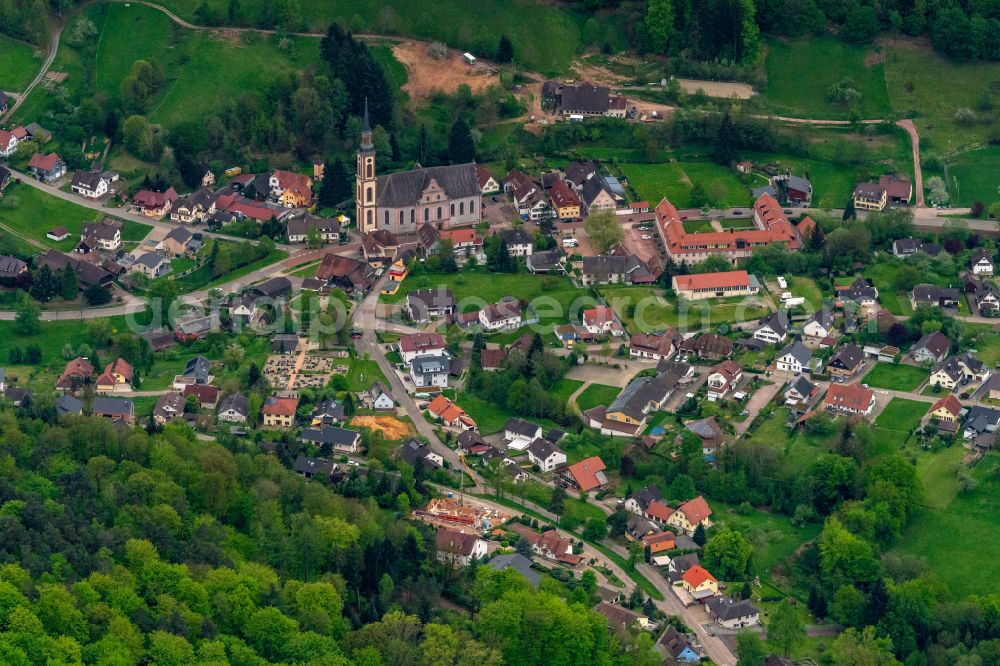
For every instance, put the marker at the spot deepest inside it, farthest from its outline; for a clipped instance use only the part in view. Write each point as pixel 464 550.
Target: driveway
pixel 760 398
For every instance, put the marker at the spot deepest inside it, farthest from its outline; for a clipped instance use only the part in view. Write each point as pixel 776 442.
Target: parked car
pixel 789 211
pixel 646 237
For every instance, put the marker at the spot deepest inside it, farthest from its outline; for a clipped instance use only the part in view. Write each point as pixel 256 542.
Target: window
pixel 461 208
pixel 472 206
pixel 439 212
pixel 370 168
pixel 401 218
pixel 370 215
pixel 453 210
pixel 386 218
pixel 427 214
pixel 413 216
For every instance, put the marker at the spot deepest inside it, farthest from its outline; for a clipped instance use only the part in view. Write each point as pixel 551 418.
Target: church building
pixel 444 196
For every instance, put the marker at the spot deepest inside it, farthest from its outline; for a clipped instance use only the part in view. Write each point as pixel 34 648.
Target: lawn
pixel 18 64
pixel 800 74
pixel 914 76
pixel 202 278
pixel 974 176
pixel 489 417
pixel 832 183
pixel 31 212
pixel 564 388
pixel 674 181
pixel 798 448
pixel 644 309
pixel 807 289
pixel 986 342
pixel 969 519
pixel 697 226
pixel 597 394
pixel 363 373
pixel 901 414
pixel 896 377
pixel 523 21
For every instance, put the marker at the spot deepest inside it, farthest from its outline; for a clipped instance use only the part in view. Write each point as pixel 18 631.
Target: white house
pixel 773 328
pixel 982 263
pixel 234 408
pixel 544 453
pixel 519 243
pixel 421 344
pixel 732 613
pixel 458 548
pixel 430 371
pixel 819 326
pixel 8 143
pixel 500 316
pixel 794 358
pixel 723 379
pixel 521 433
pixel 92 184
pixel 601 321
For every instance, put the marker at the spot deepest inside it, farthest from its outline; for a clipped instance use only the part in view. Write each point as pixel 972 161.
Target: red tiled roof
pixel 852 396
pixel 78 367
pixel 296 182
pixel 659 511
pixel 207 395
pixel 492 358
pixel 420 341
pixel 43 162
pixel 121 367
pixel 586 473
pixel 598 316
pixel 695 510
pixel 562 196
pixel 461 236
pixel 720 280
pixel 950 403
pixel 697 575
pixel 150 199
pixel 279 406
pixel 660 537
pixel 482 175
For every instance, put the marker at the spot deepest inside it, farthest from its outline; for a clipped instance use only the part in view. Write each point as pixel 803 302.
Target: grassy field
pixel 914 74
pixel 674 181
pixel 697 226
pixel 564 29
pixel 597 394
pixel 489 417
pixel 901 414
pixel 895 377
pixel 974 176
pixel 202 278
pixel 987 343
pixel 832 183
pixel 564 388
pixel 31 213
pixel 18 65
pixel 643 309
pixel 798 448
pixel 800 74
pixel 807 289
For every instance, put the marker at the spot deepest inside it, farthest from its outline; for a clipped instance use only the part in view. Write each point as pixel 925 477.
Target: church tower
pixel 364 177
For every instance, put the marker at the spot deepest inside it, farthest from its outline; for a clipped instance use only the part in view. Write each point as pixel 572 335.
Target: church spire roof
pixel 366 133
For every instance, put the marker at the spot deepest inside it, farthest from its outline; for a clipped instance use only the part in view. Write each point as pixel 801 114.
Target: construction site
pixel 462 511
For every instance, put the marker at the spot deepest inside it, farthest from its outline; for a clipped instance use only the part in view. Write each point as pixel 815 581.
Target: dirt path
pixel 30 241
pixel 918 177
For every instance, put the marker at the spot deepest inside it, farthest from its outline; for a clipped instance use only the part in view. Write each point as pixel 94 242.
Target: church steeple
pixel 364 177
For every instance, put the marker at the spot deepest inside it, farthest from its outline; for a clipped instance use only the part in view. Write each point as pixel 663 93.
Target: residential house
pixel 627 414
pixel 723 379
pixel 206 396
pixel 987 298
pixel 548 261
pixel 521 433
pixel 601 320
pixel 279 411
pixel 290 189
pixel 416 453
pixel 586 99
pixel 421 344
pixel 699 286
pixel 197 370
pixel 959 369
pixel 177 242
pixel 586 475
pixel 947 409
pixel 234 408
pixel 168 407
pixel 773 328
pixel 106 234
pixel 345 273
pixel 819 326
pixel 619 618
pixel 492 359
pixel 8 143
pixel 465 242
pixel 690 514
pixel 679 565
pixel 458 548
pixel 699 583
pixel 795 190
pixel 11 268
pixel 862 294
pixel 980 420
pixel 67 405
pixel 800 393
pixel 114 409
pixel 153 204
pixel 597 197
pixel 931 348
pixel 794 358
pixel 564 201
pixel 328 412
pixel 151 264
pixel 47 168
pixel 117 375
pixel 640 500
pixel 907 247
pixel 505 314
pixel 898 190
pixel 993 387
pixel 196 326
pixel 732 613
pixel 548 544
pixel 299 228
pixel 339 440
pixel 312 467
pixel 426 304
pixel 657 347
pixel 850 399
pixel 707 346
pixel 846 361
pixel 471 443
pixel 659 542
pixel 195 207
pixel 711 435
pixel 546 455
pixel 676 646
pixel 869 196
pixel 93 184
pixel 451 414
pixel 931 295
pixel 616 269
pixel 982 262
pixel 430 371
pixel 517 562
pixel 519 243
pixel 377 397
pixel 487 183
pixel 75 374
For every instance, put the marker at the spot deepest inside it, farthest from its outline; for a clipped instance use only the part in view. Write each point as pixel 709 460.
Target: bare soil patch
pixel 391 427
pixel 428 75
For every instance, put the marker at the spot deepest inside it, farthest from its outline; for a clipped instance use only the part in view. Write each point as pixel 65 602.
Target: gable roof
pixel 936 343
pixel 695 510
pixel 455 542
pixel 404 188
pixel 521 427
pixel 542 449
pixel 421 341
pixel 104 405
pixel 697 575
pixel 950 403
pixel 776 321
pixel 236 402
pixel 618 617
pixel 280 406
pixel 727 608
pixel 849 396
pixel 589 473
pixel 798 351
pixel 413 450
pixel 44 162
pixel 849 356
pixel 720 280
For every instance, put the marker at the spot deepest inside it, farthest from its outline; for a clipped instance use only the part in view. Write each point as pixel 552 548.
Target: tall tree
pixel 68 287
pixel 659 23
pixel 336 187
pixel 505 50
pixel 461 145
pixel 785 630
pixel 726 138
pixel 26 321
pixel 604 230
